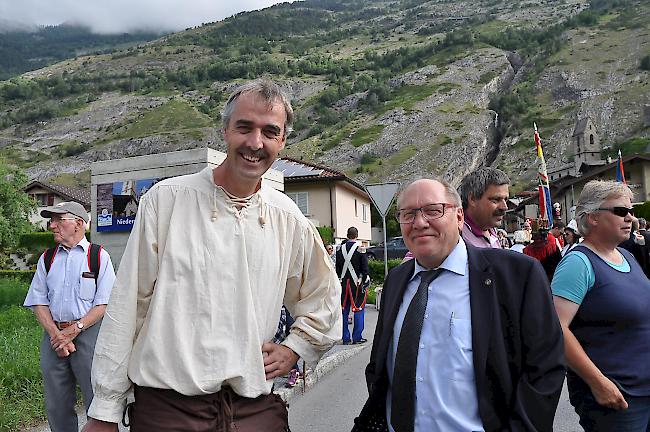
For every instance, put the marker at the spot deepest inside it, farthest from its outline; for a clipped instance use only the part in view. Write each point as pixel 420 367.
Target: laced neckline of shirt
pixel 239 202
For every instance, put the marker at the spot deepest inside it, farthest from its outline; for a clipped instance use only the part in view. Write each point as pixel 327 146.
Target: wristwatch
pixel 80 325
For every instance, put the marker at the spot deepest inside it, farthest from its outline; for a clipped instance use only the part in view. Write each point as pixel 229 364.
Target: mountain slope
pixel 382 90
pixel 24 48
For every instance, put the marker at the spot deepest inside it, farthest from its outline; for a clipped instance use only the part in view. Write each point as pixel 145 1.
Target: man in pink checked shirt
pixel 484 193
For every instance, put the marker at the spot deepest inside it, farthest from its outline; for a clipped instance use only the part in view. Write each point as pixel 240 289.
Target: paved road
pixel 335 401
pixel 566 420
pixel 339 397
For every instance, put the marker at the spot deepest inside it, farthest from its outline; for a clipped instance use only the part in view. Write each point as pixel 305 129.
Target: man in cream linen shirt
pixel 211 259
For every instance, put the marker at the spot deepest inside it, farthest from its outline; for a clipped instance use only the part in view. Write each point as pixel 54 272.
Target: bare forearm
pixel 579 361
pixel 603 389
pixel 93 315
pixel 44 317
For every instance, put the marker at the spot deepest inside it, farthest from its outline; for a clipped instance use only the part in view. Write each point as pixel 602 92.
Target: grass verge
pixel 21 385
pixel 12 292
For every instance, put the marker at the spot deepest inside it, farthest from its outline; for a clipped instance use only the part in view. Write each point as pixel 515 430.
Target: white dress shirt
pixel 446 396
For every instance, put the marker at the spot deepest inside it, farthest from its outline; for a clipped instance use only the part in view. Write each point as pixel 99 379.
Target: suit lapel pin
pixel 488 282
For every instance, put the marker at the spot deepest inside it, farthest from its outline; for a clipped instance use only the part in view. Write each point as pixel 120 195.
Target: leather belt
pixel 64 324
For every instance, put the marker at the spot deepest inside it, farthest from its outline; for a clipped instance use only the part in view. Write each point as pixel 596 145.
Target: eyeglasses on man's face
pixel 429 212
pixel 58 219
pixel 618 210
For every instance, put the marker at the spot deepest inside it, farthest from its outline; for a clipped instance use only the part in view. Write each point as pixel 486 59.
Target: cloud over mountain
pixel 119 16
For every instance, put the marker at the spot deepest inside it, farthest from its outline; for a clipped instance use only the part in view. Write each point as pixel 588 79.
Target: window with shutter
pixel 302 201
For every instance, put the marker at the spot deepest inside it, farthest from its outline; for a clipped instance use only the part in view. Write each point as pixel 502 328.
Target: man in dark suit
pixel 352 269
pixel 467 338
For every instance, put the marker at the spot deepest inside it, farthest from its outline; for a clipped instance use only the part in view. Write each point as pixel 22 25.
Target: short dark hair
pixel 559 225
pixel 269 91
pixel 476 183
pixel 353 233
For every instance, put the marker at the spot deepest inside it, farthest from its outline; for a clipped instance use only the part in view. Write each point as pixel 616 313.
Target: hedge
pixel 21 275
pixel 36 241
pixel 376 268
pixel 326 233
pixel 39 241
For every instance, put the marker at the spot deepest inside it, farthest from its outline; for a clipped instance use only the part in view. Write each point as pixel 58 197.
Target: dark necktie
pixel 406 359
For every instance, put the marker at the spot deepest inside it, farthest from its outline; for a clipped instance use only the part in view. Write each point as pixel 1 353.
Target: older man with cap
pixel 68 295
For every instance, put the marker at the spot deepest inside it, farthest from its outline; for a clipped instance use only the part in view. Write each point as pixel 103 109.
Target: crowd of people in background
pixel 189 326
pixel 598 268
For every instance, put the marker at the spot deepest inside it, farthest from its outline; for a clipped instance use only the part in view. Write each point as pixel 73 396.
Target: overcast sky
pixel 118 16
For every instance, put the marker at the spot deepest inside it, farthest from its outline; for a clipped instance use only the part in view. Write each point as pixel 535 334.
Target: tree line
pixel 24 51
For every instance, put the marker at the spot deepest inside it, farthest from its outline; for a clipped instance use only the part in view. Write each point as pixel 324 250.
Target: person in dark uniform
pixel 352 269
pixel 636 244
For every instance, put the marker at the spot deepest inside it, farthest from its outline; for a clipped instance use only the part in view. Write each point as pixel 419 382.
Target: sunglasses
pixel 618 211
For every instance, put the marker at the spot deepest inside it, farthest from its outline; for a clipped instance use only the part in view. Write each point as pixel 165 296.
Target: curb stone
pixel 324 367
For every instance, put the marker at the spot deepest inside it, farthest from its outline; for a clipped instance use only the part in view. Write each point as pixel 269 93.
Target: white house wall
pixel 345 216
pixel 36 217
pixel 318 198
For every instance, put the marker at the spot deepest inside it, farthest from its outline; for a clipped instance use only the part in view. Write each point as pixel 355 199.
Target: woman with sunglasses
pixel 602 298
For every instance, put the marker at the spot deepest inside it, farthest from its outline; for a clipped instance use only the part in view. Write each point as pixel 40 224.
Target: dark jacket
pixel 517 342
pixel 640 252
pixel 359 262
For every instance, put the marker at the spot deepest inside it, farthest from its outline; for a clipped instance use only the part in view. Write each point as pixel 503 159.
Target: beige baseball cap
pixel 71 207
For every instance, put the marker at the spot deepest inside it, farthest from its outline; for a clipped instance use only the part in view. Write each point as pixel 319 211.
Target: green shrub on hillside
pixel 644 64
pixel 630 146
pixel 366 135
pixel 72 148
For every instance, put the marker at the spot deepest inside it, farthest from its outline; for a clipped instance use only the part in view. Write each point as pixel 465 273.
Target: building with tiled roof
pixel 566 190
pixel 327 197
pixel 47 194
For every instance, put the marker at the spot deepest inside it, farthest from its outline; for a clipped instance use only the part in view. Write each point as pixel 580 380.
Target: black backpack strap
pixel 48 259
pixel 94 259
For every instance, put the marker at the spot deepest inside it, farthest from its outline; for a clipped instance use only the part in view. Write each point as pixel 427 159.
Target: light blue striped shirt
pixel 68 295
pixel 446 397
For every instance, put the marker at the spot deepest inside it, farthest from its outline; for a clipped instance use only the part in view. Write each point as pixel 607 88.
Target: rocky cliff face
pixel 595 75
pixel 449 133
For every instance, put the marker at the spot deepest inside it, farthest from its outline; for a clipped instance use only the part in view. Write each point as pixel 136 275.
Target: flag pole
pixel 545 209
pixel 620 172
